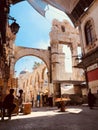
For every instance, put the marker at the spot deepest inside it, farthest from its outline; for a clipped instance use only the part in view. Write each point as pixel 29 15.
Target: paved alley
pixel 74 118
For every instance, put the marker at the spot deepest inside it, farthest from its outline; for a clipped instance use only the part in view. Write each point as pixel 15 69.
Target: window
pixel 89 32
pixel 63 28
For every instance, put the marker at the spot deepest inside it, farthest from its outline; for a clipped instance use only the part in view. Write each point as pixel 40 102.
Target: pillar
pixel 5 77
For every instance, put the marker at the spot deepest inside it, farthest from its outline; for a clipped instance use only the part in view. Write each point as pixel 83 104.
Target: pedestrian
pixel 20 99
pixel 8 104
pixel 32 101
pixel 91 99
pixel 38 100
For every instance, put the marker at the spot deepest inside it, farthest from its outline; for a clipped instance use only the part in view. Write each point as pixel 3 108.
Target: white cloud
pixel 43 44
pixel 53 13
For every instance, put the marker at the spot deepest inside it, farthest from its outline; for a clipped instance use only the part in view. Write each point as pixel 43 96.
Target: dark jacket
pixel 8 101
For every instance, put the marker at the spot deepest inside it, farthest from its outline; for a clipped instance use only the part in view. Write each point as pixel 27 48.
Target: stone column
pixel 4 90
pixel 41 86
pixel 57 91
pixel 5 77
pixel 54 61
pixel 75 71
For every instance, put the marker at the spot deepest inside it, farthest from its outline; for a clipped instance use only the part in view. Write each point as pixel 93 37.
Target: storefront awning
pixel 74 82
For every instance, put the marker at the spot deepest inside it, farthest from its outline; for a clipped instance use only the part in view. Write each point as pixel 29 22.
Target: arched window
pixel 89 32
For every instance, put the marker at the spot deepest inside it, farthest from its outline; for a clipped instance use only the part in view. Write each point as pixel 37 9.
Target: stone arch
pixel 40 53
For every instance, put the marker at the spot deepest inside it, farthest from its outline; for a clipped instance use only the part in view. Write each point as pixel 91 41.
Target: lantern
pixel 14 27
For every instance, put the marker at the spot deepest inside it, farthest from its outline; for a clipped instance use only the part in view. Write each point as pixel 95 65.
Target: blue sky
pixel 34 30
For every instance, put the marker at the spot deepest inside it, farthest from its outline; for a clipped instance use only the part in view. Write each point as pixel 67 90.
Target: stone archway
pixel 20 52
pixel 40 53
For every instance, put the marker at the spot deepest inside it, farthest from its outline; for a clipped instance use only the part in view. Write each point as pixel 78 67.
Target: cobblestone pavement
pixel 74 118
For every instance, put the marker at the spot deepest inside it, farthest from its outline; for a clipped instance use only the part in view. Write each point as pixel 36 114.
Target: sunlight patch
pixel 74 110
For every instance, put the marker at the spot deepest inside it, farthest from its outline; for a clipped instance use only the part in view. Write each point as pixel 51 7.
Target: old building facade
pixel 89 42
pixel 83 15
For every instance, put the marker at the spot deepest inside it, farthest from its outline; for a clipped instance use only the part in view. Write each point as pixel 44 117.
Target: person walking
pixel 91 99
pixel 8 104
pixel 20 99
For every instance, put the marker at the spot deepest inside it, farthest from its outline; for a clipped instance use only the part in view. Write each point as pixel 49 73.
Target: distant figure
pixel 32 101
pixel 38 100
pixel 8 104
pixel 20 98
pixel 91 99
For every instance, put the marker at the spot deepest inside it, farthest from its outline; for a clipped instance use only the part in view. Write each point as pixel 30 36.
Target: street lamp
pixel 14 27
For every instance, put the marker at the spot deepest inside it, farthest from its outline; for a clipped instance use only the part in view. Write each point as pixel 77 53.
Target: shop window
pixel 89 32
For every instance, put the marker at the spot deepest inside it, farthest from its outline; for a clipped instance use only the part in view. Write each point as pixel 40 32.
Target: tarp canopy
pixel 63 5
pixel 39 5
pixel 73 8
